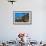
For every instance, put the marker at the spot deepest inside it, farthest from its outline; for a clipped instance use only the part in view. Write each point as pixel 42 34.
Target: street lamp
pixel 12 1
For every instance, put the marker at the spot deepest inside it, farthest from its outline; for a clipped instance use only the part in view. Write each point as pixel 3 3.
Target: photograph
pixel 22 17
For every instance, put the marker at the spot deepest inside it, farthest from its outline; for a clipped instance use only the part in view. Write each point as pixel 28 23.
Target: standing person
pixel 4 44
pixel 21 36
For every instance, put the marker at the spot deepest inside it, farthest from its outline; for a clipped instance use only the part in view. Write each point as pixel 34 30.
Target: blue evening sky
pixel 19 14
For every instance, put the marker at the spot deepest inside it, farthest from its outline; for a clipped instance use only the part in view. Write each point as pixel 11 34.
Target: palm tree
pixel 25 18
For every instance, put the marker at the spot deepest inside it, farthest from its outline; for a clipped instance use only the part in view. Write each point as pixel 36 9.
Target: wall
pixel 9 31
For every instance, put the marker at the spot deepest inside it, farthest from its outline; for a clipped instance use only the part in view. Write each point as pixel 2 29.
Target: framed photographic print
pixel 22 17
